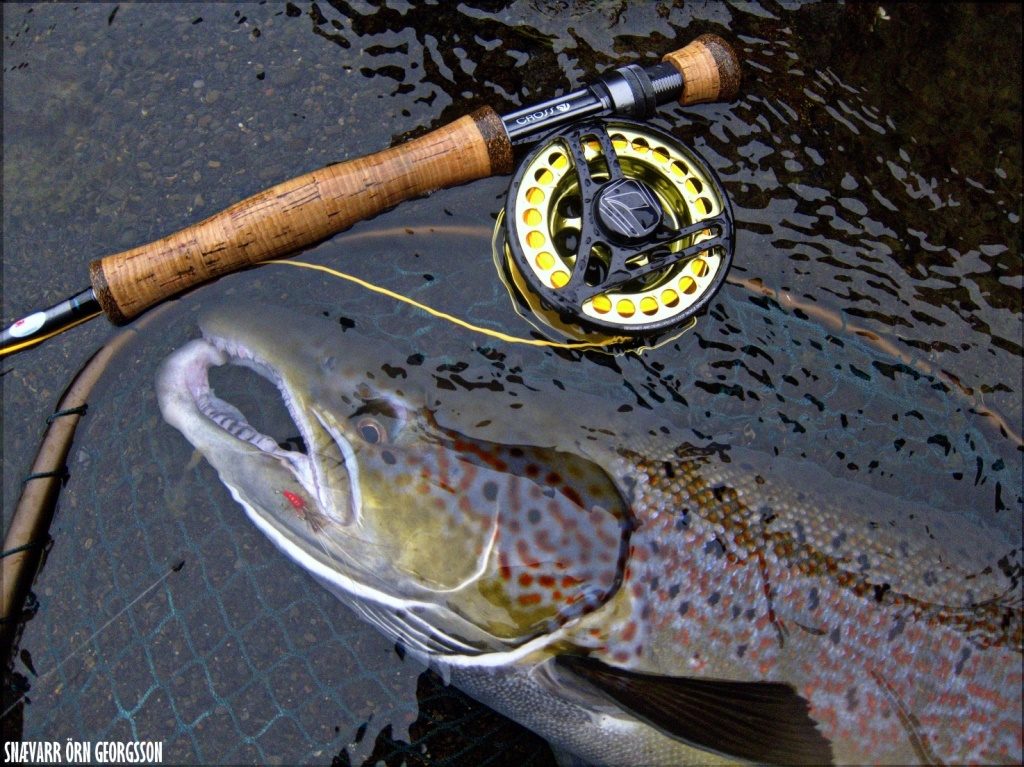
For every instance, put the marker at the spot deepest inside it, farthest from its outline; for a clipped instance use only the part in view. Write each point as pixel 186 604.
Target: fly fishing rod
pixel 616 227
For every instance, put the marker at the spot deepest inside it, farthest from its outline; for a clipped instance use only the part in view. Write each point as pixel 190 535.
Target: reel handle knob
pixel 298 213
pixel 710 70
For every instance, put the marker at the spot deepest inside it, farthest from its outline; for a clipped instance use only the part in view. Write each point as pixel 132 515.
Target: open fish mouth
pixel 336 500
pixel 293 496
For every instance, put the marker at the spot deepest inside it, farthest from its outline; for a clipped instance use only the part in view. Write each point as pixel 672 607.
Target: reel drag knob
pixel 627 209
pixel 615 228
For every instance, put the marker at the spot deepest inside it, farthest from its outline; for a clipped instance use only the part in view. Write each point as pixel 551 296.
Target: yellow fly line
pixel 448 317
pixel 33 341
pixel 497 334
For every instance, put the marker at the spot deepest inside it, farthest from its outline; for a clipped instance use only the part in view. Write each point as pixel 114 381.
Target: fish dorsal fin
pixel 764 722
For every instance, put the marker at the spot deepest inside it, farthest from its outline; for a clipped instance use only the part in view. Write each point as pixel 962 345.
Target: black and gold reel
pixel 613 228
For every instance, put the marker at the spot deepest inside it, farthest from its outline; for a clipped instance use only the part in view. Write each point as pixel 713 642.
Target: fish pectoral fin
pixel 764 722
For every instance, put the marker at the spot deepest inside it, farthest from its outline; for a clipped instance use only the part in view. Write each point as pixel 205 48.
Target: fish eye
pixel 371 431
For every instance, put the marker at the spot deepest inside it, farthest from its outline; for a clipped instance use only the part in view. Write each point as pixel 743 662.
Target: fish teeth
pixel 240 353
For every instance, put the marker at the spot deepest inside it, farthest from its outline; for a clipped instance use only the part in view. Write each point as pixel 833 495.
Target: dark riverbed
pixel 873 158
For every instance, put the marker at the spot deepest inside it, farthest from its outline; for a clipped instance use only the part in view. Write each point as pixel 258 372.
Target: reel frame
pixel 615 227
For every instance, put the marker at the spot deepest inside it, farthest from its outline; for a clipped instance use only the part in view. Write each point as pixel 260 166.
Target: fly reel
pixel 614 228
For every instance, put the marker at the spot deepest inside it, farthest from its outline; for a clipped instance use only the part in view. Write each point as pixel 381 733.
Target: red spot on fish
pixel 572 495
pixel 525 579
pixel 523 550
pixel 609 537
pixel 532 470
pixel 569 581
pixel 529 599
pixel 543 541
pixel 497 464
pixel 503 569
pixel 468 475
pixel 553 478
pixel 546 581
pixel 901 656
pixel 297 501
pixel 982 692
pixel 629 631
pixel 489 459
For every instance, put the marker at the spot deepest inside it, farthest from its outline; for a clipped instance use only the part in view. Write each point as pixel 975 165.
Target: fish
pixel 636 592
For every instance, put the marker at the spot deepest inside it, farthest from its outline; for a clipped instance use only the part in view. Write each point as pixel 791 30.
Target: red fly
pixel 312 517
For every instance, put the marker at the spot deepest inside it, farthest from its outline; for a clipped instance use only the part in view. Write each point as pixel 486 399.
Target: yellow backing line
pixel 442 315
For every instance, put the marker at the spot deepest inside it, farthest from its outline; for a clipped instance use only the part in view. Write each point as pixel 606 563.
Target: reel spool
pixel 614 228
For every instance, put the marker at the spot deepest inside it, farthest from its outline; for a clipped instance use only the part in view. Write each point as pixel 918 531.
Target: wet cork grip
pixel 710 70
pixel 299 213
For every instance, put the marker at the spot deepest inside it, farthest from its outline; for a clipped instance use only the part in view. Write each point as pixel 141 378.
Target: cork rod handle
pixel 710 70
pixel 299 213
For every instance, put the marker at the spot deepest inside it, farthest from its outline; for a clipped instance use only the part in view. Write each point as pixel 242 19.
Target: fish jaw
pixel 268 481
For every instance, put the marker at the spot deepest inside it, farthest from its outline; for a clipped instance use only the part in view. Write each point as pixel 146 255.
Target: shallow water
pixel 873 163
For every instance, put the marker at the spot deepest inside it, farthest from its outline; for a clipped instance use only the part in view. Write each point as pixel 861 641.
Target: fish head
pixel 453 541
